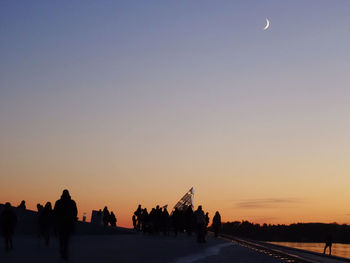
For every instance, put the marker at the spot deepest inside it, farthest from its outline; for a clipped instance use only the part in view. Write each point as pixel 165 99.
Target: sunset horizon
pixel 127 103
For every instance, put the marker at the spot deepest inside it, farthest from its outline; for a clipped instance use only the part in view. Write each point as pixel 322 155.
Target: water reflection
pixel 340 250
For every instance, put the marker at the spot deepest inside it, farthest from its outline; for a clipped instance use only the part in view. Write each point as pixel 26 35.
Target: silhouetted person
pixel 152 220
pixel 157 219
pixel 106 216
pixel 207 219
pixel 165 221
pixel 22 205
pixel 137 213
pixel 145 221
pixel 65 213
pixel 99 216
pixel 134 221
pixel 113 220
pixel 329 242
pixel 8 221
pixel 216 223
pixel 45 220
pixel 39 207
pixel 176 220
pixel 200 224
pixel 188 220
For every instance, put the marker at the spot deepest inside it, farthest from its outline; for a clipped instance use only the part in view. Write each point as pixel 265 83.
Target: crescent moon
pixel 267 24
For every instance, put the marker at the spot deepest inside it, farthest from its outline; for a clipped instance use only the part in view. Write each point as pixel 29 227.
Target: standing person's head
pixel 7 205
pixel 65 195
pixel 48 206
pixel 199 208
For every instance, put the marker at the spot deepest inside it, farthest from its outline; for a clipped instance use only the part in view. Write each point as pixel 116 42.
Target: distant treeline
pixel 300 232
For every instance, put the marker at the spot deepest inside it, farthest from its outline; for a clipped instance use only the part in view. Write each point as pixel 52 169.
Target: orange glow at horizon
pixel 162 97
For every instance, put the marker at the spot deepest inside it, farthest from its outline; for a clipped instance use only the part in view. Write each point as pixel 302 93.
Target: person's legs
pixel 65 245
pixel 60 239
pixel 7 248
pixel 47 237
pixel 10 243
pixel 63 240
pixel 204 233
pixel 198 234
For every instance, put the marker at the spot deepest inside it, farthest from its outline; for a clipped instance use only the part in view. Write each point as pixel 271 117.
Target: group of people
pixel 107 218
pixel 155 221
pixel 60 220
pixel 180 220
pixel 45 221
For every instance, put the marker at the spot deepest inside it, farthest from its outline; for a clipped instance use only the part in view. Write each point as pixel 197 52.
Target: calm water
pixel 340 250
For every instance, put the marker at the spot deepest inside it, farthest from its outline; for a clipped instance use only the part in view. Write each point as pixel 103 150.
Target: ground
pixel 133 248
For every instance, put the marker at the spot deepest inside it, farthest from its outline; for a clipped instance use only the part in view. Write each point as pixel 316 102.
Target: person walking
pixel 200 224
pixel 46 222
pixel 8 222
pixel 65 214
pixel 216 223
pixel 113 219
pixel 328 244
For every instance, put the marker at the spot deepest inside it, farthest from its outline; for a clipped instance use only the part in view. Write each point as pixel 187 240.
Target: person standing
pixel 200 224
pixel 45 222
pixel 328 244
pixel 22 205
pixel 65 214
pixel 138 213
pixel 134 221
pixel 8 222
pixel 113 219
pixel 188 218
pixel 106 216
pixel 216 223
pixel 176 218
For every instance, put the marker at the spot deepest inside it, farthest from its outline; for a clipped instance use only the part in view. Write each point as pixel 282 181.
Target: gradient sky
pixel 128 102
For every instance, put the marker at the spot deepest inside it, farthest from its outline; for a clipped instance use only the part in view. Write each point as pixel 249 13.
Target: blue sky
pixel 175 92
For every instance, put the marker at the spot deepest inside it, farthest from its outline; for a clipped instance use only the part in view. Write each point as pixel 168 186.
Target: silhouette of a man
pixel 45 222
pixel 217 223
pixel 201 223
pixel 65 213
pixel 113 219
pixel 22 205
pixel 329 242
pixel 8 221
pixel 106 216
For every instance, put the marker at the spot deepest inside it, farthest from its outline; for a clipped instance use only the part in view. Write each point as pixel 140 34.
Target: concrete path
pixel 133 248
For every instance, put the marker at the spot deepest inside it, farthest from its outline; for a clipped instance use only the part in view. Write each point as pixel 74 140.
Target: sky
pixel 134 102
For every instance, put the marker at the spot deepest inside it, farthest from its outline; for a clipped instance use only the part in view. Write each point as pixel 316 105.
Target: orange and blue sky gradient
pixel 128 102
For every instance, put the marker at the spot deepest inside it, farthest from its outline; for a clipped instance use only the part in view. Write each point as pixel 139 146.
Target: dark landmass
pixel 300 232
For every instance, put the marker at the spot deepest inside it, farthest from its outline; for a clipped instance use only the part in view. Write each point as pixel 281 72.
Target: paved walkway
pixel 133 248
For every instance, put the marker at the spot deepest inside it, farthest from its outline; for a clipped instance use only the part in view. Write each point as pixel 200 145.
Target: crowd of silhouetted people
pixel 59 221
pixel 107 218
pixel 184 220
